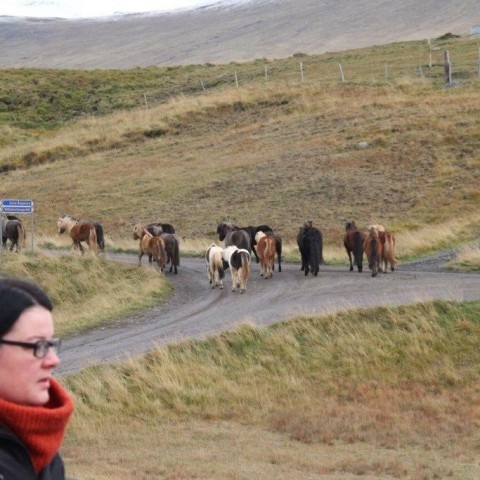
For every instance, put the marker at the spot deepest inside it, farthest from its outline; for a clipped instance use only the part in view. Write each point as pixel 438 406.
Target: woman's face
pixel 25 379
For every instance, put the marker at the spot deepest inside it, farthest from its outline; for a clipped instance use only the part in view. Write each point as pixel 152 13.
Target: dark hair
pixel 17 295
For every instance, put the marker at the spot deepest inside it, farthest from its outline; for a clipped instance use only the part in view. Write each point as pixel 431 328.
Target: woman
pixel 34 408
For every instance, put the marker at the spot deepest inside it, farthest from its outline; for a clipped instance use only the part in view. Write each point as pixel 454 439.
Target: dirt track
pixel 196 311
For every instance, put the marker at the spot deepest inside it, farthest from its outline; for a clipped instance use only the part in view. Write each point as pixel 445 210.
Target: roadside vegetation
pixel 384 393
pixel 88 292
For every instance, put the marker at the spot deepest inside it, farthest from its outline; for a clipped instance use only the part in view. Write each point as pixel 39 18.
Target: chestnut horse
pixel 373 249
pixel 238 260
pixel 154 247
pixel 79 232
pixel 266 253
pixel 353 242
pixel 215 266
pixel 387 241
pixel 98 231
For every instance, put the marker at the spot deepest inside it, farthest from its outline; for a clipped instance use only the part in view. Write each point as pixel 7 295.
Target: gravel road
pixel 196 311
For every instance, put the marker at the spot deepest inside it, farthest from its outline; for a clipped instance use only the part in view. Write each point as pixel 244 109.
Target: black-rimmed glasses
pixel 40 348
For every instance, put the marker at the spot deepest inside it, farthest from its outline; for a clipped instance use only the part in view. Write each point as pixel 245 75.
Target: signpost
pixel 16 206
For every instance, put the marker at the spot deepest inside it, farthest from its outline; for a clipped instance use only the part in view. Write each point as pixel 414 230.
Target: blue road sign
pixel 17 206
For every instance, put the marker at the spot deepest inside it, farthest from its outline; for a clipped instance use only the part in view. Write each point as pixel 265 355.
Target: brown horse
pixel 266 252
pixel 172 247
pixel 353 242
pixel 154 247
pixel 79 232
pixel 373 249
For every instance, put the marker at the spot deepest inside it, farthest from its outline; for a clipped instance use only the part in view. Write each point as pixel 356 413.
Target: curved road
pixel 195 310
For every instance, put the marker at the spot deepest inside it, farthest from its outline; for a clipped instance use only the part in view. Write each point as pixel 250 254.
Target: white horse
pixel 238 260
pixel 215 268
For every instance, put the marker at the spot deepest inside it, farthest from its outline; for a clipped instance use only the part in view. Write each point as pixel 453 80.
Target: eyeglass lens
pixel 43 346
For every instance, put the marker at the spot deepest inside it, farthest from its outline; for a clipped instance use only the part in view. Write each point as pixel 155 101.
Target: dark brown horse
pixel 232 234
pixel 172 247
pixel 353 242
pixel 14 231
pixel 79 232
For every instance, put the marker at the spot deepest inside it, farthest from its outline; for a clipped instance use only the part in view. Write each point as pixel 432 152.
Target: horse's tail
pixel 100 237
pixel 175 255
pixel 373 249
pixel 278 249
pixel 389 250
pixel 245 268
pixel 358 250
pixel 22 235
pixel 321 261
pixel 93 239
pixel 161 253
pixel 219 264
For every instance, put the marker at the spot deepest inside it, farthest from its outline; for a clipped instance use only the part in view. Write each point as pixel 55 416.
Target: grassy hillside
pixel 402 152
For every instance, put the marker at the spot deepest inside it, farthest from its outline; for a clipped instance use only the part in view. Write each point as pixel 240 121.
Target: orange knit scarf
pixel 41 428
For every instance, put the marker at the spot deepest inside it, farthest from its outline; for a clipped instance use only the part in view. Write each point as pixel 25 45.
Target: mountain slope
pixel 226 32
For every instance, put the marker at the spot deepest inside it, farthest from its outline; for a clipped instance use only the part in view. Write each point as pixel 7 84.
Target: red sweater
pixel 40 428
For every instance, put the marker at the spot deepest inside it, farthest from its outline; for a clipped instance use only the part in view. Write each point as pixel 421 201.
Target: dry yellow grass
pixel 386 393
pixel 277 155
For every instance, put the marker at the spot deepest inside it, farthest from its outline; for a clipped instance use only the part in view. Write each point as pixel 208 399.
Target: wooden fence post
pixel 341 72
pixel 429 54
pixel 236 79
pixel 479 63
pixel 447 67
pixel 266 74
pixel 301 72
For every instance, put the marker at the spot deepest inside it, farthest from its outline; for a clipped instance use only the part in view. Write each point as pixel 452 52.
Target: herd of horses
pixel 161 245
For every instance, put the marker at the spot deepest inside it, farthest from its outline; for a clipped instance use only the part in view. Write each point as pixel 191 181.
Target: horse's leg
pixel 140 255
pixel 210 275
pixel 255 253
pixel 349 253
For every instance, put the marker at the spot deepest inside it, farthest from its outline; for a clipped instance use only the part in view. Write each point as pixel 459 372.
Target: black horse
pixel 310 244
pixel 156 228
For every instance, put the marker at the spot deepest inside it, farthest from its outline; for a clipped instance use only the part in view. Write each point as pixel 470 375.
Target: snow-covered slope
pixel 228 30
